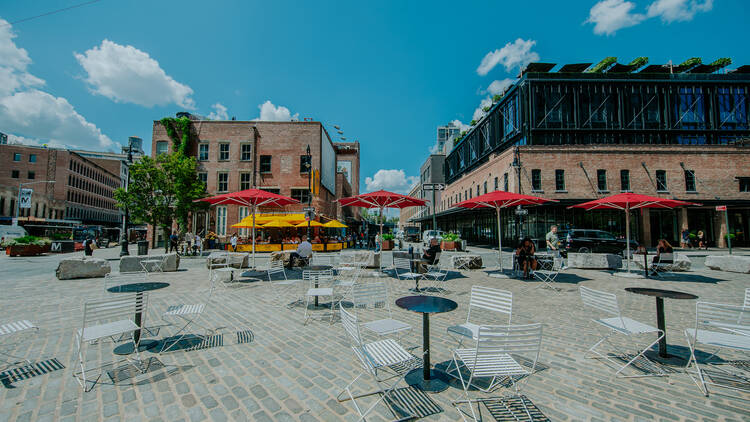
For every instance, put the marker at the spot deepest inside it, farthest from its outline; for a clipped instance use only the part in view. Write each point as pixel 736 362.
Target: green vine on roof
pixel 603 65
pixel 179 131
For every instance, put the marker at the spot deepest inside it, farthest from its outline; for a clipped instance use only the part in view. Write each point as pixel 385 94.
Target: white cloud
pixel 271 113
pixel 126 74
pixel 518 53
pixel 219 113
pixel 391 180
pixel 499 86
pixel 463 126
pixel 42 116
pixel 35 117
pixel 608 16
pixel 678 10
pixel 479 112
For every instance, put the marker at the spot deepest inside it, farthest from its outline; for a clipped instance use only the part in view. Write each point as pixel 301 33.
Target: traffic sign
pixel 431 186
pixel 24 199
pixel 721 208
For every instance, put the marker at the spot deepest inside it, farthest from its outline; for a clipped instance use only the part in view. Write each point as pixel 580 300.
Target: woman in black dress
pixel 525 255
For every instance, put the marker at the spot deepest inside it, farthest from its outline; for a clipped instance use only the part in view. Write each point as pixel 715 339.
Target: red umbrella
pixel 497 200
pixel 631 201
pixel 382 199
pixel 251 198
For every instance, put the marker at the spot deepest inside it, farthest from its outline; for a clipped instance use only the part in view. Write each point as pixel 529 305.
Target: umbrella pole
pixel 499 239
pixel 253 236
pixel 627 235
pixel 381 239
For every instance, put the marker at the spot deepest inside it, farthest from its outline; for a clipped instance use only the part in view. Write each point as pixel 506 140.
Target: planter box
pixel 450 245
pixel 26 250
pixel 387 245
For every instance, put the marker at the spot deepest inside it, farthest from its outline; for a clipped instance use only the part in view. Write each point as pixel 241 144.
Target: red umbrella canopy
pixel 382 199
pixel 623 201
pixel 501 199
pixel 250 197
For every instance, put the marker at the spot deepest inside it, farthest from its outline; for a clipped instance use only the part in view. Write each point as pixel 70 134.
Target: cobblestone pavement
pixel 286 370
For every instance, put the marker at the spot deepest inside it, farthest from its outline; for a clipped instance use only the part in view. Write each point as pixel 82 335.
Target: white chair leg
pixel 701 381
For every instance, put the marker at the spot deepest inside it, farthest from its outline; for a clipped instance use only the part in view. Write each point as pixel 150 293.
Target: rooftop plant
pixel 603 65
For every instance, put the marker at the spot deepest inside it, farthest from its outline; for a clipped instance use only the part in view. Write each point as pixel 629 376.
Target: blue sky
pixel 387 72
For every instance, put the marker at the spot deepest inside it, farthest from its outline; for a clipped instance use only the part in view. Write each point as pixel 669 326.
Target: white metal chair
pixel 662 265
pixel 374 295
pixel 321 286
pixel 321 259
pixel 483 299
pixel 108 318
pixel 436 273
pixel 11 330
pixel 548 277
pixel 383 357
pixel 720 326
pixel 232 262
pixel 495 358
pixel 186 314
pixel 112 281
pixel 403 270
pixel 617 324
pixel 281 286
pixel 154 265
pixel 345 281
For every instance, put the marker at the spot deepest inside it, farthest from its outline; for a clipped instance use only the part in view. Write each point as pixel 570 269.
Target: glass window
pixel 221 220
pixel 536 179
pixel 305 163
pixel 203 152
pixel 301 195
pixel 246 152
pixel 744 184
pixel 14 174
pixel 661 181
pixel 16 157
pixel 689 111
pixel 245 181
pixel 496 186
pixel 485 187
pixel 32 175
pixel 265 163
pixel 559 180
pixel 601 180
pixel 733 108
pixel 243 212
pixel 223 182
pixel 477 190
pixel 224 152
pixel 625 180
pixel 32 158
pixel 272 190
pixel 505 182
pixel 689 181
pixel 203 177
pixel 161 147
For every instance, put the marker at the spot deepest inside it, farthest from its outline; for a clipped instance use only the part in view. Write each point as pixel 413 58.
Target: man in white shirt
pixel 198 244
pixel 304 251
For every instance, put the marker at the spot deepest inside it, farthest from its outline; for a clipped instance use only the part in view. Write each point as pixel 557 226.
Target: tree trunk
pixel 153 235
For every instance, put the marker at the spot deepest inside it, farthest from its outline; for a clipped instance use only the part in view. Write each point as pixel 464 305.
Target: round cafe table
pixel 660 295
pixel 430 380
pixel 138 288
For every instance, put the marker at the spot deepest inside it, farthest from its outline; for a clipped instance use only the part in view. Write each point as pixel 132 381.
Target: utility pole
pixel 309 189
pixel 124 240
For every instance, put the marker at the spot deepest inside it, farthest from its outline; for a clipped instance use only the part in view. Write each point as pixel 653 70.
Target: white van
pixel 431 234
pixel 12 232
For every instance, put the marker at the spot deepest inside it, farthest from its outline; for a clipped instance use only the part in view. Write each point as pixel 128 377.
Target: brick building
pixel 83 188
pixel 236 155
pixel 575 136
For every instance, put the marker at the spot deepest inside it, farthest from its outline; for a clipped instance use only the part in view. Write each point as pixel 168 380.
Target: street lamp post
pixel 124 240
pixel 309 187
pixel 21 185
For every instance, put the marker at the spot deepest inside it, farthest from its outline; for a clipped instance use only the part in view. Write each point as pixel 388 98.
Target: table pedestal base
pixel 668 360
pixel 129 347
pixel 438 380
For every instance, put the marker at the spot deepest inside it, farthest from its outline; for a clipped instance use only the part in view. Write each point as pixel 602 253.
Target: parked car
pixel 429 235
pixel 596 241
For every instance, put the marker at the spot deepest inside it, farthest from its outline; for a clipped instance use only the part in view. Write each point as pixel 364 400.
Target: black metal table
pixel 660 294
pixel 317 268
pixel 138 288
pixel 645 262
pixel 430 380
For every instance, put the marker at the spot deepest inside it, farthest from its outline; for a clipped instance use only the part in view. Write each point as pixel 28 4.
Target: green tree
pixel 182 178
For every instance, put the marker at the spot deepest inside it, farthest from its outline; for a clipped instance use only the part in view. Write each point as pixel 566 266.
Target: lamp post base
pixel 124 247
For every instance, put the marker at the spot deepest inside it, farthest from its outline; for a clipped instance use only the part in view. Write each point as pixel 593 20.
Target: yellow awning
pixel 246 225
pixel 335 224
pixel 277 223
pixel 313 223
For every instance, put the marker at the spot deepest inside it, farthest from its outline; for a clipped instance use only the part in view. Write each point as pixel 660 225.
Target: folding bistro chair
pixel 436 274
pixel 345 282
pixel 320 259
pixel 321 286
pixel 495 358
pixel 281 286
pixel 548 277
pixel 720 326
pixel 112 281
pixel 12 330
pixel 108 318
pixel 383 357
pixel 403 271
pixel 232 263
pixel 154 265
pixel 186 315
pixel 663 265
pixel 484 299
pixel 375 296
pixel 617 324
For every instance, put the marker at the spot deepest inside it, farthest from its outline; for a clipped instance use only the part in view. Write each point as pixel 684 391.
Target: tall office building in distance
pixel 444 134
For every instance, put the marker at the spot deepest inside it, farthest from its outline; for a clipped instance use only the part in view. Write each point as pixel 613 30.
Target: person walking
pixel 233 241
pixel 685 240
pixel 552 240
pixel 702 240
pixel 88 249
pixel 173 239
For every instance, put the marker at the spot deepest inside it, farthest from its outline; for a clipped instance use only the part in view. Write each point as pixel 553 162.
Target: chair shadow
pixel 189 343
pixel 484 382
pixel 35 369
pixel 513 409
pixel 154 371
pixel 411 402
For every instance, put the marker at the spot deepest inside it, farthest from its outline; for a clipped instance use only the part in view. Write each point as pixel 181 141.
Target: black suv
pixel 598 241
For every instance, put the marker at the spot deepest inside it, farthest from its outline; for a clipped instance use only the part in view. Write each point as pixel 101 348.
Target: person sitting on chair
pixel 525 255
pixel 663 247
pixel 304 252
pixel 430 254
